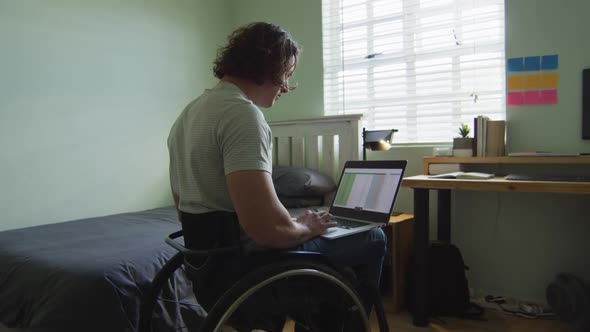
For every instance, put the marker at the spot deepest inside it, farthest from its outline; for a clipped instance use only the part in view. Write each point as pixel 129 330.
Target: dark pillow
pixel 301 182
pixel 300 202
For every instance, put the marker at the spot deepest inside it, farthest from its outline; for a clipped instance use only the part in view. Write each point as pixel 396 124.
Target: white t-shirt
pixel 218 133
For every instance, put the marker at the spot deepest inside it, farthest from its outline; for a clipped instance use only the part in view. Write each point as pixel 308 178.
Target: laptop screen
pixel 367 190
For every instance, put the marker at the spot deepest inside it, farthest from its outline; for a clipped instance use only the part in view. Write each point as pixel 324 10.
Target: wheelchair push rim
pixel 267 277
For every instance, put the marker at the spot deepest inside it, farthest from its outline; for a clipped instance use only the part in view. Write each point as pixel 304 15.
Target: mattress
pixel 90 274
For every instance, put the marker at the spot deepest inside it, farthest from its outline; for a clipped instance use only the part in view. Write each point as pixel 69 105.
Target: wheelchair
pixel 263 290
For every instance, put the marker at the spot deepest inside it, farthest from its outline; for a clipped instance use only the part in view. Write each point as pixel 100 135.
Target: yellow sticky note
pixel 515 82
pixel 532 82
pixel 549 81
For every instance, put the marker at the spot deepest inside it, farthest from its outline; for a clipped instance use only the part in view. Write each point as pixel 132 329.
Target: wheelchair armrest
pixel 250 260
pixel 170 240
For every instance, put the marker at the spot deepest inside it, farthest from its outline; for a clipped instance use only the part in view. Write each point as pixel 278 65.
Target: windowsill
pixel 420 145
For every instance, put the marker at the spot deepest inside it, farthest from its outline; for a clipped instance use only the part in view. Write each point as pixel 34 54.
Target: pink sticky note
pixel 549 96
pixel 515 98
pixel 532 97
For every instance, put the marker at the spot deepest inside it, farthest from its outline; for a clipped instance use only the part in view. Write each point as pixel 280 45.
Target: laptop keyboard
pixel 348 224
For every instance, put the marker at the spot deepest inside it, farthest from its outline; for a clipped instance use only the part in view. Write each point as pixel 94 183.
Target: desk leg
pixel 444 215
pixel 421 243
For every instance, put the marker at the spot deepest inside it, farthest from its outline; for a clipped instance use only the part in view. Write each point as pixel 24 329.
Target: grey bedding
pixel 90 274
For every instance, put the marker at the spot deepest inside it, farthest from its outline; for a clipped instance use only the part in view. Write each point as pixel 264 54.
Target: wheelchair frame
pixel 308 264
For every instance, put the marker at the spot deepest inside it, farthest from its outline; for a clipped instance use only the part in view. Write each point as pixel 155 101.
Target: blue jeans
pixel 363 252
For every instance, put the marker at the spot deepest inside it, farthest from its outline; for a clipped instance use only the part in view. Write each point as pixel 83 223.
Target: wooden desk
pixel 497 184
pixel 421 185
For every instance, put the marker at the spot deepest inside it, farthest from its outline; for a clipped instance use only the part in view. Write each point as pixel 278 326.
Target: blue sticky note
pixel 532 63
pixel 549 61
pixel 515 64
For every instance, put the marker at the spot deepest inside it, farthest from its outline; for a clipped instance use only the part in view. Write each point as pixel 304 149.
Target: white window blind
pixel 420 66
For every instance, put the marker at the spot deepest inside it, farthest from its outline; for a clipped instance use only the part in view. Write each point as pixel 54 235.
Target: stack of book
pixel 489 137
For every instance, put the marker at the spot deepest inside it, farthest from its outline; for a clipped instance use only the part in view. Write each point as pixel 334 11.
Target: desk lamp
pixel 377 140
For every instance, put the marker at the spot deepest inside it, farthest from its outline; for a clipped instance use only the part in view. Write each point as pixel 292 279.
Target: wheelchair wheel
pixel 314 295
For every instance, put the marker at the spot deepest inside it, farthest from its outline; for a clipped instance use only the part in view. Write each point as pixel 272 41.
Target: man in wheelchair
pixel 220 172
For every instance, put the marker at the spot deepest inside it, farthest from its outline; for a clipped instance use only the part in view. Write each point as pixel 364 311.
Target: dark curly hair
pixel 258 51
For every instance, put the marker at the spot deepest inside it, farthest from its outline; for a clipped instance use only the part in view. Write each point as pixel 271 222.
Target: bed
pixel 90 274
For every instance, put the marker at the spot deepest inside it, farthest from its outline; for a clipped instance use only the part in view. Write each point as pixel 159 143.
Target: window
pixel 420 66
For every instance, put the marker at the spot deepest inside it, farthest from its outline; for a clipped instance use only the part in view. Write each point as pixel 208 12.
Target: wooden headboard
pixel 322 144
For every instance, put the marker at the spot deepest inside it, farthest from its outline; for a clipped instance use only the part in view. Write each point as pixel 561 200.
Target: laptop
pixel 365 196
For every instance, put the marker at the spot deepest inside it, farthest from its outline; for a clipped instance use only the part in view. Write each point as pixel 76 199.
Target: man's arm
pixel 176 201
pixel 264 218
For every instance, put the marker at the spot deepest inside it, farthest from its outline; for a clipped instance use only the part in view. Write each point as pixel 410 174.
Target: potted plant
pixel 463 145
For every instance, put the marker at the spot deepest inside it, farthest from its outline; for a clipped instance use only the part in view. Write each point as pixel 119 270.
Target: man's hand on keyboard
pixel 317 222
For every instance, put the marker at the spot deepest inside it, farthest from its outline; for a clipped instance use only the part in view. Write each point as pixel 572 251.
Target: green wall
pixel 550 27
pixel 88 92
pixel 303 18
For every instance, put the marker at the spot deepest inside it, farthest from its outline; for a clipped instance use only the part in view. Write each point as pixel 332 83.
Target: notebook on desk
pixel 463 176
pixel 365 196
